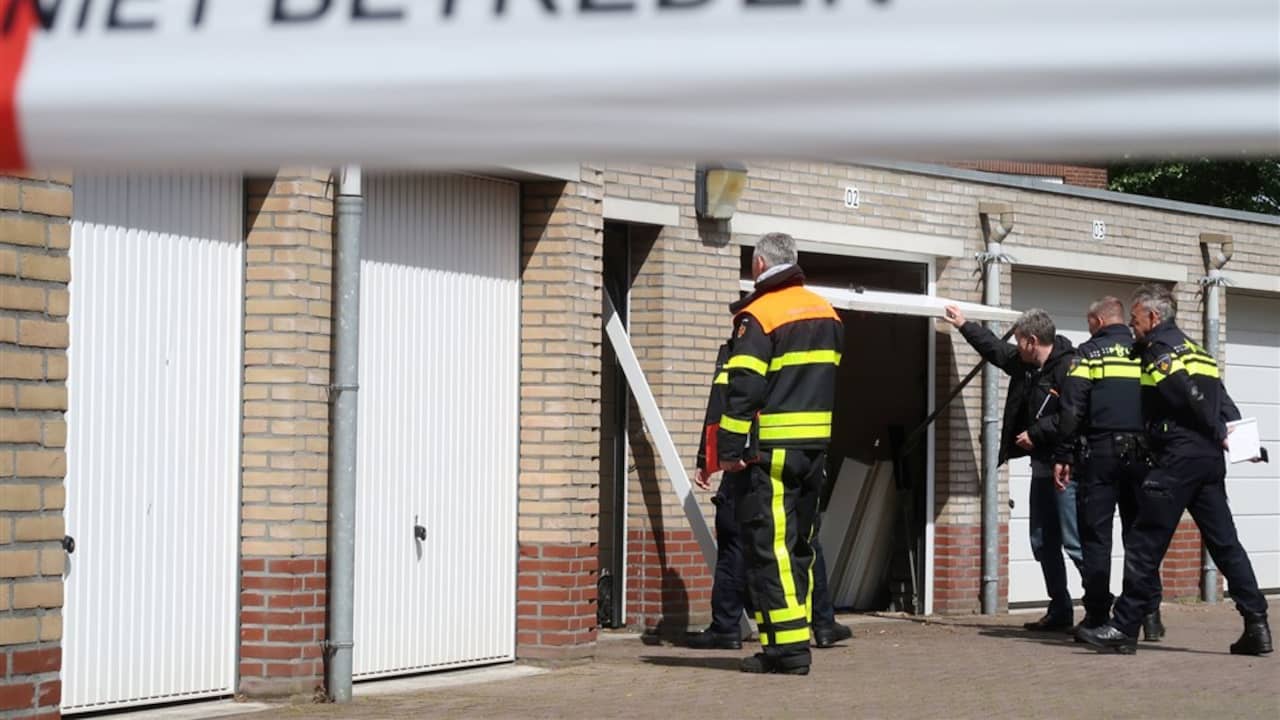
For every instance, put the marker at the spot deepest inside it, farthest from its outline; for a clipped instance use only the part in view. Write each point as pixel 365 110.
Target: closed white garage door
pixel 1253 379
pixel 1067 299
pixel 438 402
pixel 153 437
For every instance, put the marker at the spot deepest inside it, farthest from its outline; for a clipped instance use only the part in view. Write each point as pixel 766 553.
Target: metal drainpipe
pixel 995 232
pixel 342 477
pixel 1212 282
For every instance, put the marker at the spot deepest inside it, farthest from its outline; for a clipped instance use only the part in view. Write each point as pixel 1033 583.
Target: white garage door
pixel 1067 300
pixel 153 439
pixel 1253 379
pixel 439 373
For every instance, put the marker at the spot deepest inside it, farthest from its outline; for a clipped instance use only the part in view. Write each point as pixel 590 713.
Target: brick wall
pixel 561 251
pixel 1083 175
pixel 34 271
pixel 288 280
pixel 684 279
pixel 893 200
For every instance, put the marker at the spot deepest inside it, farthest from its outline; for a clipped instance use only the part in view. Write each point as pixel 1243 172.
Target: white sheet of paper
pixel 1243 443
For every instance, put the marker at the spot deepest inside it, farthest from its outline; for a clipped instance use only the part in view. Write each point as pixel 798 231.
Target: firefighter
pixel 1186 408
pixel 1103 450
pixel 729 584
pixel 783 354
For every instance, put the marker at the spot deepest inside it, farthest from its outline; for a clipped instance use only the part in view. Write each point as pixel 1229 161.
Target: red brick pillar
pixel 289 253
pixel 559 418
pixel 35 236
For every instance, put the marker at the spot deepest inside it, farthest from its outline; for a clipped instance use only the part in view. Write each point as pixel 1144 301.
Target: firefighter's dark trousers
pixel 777 515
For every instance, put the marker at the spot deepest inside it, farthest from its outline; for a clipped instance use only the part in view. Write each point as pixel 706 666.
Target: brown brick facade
pixel 285 461
pixel 35 269
pixel 1082 175
pixel 561 240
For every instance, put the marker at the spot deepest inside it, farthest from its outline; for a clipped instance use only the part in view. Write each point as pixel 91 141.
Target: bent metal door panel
pixel 436 472
pixel 153 439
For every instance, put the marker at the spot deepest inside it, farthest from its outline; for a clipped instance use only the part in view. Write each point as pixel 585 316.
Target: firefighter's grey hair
pixel 1037 325
pixel 776 249
pixel 1158 299
pixel 1107 308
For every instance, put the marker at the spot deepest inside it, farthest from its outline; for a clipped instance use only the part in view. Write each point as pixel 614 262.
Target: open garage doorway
pixel 873 527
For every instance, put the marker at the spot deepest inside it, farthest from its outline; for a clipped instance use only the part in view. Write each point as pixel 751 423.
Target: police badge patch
pixel 742 328
pixel 1163 363
pixel 1075 363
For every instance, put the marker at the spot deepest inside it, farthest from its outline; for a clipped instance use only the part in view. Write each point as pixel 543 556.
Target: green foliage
pixel 1252 185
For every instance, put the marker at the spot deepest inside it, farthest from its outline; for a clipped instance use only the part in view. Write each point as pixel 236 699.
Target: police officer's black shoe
pixel 1050 622
pixel 1109 639
pixel 1256 639
pixel 1152 627
pixel 711 640
pixel 825 636
pixel 763 664
pixel 1090 622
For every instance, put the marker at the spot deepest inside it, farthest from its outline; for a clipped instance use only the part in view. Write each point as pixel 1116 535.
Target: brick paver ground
pixel 909 668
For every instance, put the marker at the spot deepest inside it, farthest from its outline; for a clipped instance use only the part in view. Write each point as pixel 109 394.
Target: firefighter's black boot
pixel 1152 627
pixel 1256 639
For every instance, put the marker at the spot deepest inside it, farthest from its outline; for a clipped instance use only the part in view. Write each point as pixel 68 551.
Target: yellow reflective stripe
pixel 1081 371
pixel 734 425
pixel 1198 366
pixel 805 357
pixel 797 432
pixel 785 637
pixel 794 418
pixel 747 362
pixel 780 554
pixel 1109 371
pixel 1147 380
pixel 721 379
pixel 784 615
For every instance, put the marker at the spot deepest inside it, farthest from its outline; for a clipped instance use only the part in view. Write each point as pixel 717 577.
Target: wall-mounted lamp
pixel 717 188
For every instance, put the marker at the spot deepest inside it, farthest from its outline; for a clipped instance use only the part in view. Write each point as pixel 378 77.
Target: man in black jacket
pixel 1037 365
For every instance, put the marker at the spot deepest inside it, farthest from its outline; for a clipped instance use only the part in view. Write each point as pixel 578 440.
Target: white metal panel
pixel 439 373
pixel 1067 300
pixel 153 439
pixel 1253 380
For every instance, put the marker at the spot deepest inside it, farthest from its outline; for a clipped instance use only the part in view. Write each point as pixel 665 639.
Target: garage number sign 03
pixel 1099 230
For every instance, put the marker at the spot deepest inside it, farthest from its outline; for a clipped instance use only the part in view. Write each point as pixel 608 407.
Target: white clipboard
pixel 1243 442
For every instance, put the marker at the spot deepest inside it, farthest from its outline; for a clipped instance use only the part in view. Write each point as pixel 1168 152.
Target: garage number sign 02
pixel 1099 230
pixel 851 197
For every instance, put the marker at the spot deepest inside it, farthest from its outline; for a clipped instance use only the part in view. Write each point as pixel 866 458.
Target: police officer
pixel 776 426
pixel 1185 407
pixel 1103 450
pixel 729 584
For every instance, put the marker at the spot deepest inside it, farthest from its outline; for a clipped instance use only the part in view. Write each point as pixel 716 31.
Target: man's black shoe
pixel 825 636
pixel 1090 622
pixel 763 664
pixel 1108 639
pixel 709 640
pixel 1256 639
pixel 1152 627
pixel 1050 623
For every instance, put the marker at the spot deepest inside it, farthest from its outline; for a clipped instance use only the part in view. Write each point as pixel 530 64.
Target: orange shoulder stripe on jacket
pixel 790 305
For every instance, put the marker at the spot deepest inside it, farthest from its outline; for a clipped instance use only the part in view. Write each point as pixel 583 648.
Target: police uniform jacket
pixel 781 369
pixel 1032 401
pixel 1102 392
pixel 1184 404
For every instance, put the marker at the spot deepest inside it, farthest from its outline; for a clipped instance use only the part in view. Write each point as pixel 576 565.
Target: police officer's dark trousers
pixel 1108 474
pixel 777 514
pixel 1197 485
